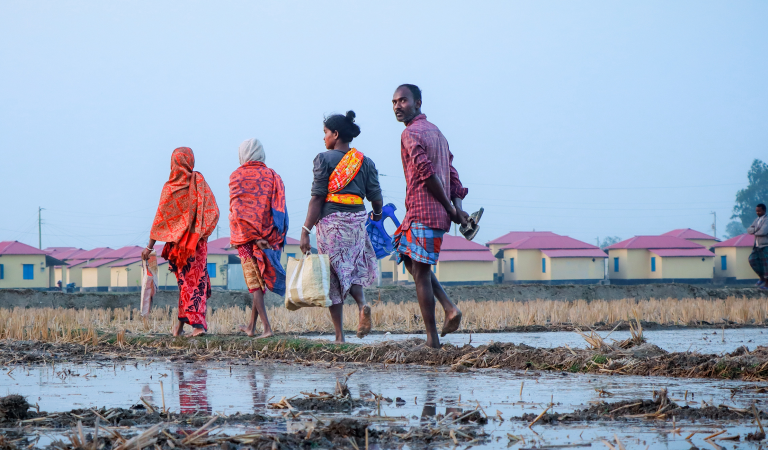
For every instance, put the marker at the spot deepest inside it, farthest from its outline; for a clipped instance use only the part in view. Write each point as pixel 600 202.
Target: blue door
pixel 212 270
pixel 653 264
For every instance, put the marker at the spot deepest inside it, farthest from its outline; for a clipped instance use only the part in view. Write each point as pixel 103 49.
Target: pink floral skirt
pixel 343 238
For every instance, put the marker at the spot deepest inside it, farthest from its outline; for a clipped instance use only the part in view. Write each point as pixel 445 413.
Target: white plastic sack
pixel 309 282
pixel 149 285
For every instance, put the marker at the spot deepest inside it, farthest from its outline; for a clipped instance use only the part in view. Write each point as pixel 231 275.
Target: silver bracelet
pixel 307 229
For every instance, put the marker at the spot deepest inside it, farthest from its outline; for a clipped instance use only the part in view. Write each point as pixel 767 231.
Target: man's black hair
pixel 415 91
pixel 760 205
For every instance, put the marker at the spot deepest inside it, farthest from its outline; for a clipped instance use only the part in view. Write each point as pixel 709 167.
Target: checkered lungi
pixel 418 242
pixel 758 259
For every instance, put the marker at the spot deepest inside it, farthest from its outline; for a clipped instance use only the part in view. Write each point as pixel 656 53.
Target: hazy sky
pixel 583 118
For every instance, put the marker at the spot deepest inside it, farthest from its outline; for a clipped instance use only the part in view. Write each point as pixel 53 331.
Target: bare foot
pixel 266 334
pixel 364 326
pixel 177 329
pixel 198 332
pixel 247 330
pixel 339 341
pixel 452 322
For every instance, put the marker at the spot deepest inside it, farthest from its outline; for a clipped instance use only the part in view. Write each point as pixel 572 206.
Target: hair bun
pixel 351 116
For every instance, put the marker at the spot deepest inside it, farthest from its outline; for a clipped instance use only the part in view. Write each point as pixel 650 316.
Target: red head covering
pixel 187 210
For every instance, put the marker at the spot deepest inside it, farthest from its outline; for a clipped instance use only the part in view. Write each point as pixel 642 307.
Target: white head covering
pixel 251 150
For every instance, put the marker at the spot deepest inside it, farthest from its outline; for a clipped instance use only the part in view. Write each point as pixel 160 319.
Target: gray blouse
pixel 365 184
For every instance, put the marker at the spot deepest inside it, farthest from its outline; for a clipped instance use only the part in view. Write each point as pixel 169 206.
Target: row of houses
pixel 525 257
pixel 106 269
pixel 543 257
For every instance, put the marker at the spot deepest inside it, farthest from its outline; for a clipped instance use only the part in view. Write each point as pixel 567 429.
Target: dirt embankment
pixel 24 298
pixel 645 359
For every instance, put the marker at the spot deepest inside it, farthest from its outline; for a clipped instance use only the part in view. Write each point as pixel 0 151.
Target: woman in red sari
pixel 187 215
pixel 258 222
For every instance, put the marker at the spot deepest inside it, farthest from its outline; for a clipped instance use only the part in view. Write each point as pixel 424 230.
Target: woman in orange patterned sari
pixel 343 177
pixel 186 216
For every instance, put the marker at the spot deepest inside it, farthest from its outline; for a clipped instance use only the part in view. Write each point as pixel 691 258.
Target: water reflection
pixel 260 394
pixel 193 391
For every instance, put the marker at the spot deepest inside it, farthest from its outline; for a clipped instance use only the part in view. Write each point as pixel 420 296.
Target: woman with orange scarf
pixel 343 177
pixel 186 216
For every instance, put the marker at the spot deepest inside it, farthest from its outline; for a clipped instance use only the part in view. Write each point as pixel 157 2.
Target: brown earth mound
pixel 660 408
pixel 641 360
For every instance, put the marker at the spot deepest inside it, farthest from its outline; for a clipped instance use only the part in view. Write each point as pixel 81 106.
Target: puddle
pixel 706 341
pixel 426 392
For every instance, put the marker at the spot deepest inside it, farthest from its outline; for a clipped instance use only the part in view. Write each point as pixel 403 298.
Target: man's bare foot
pixel 266 334
pixel 246 329
pixel 452 322
pixel 364 325
pixel 198 332
pixel 177 329
pixel 339 341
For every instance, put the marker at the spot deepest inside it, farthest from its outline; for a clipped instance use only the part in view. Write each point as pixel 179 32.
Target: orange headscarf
pixel 187 212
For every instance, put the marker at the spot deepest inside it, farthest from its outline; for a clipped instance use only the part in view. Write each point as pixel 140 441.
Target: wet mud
pixel 659 408
pixel 644 359
pixel 140 427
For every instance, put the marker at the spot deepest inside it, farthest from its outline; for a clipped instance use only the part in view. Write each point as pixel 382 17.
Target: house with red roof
pixel 694 236
pixel 549 258
pixel 68 255
pixel 25 267
pixel 659 259
pixel 461 262
pixel 500 242
pixel 732 260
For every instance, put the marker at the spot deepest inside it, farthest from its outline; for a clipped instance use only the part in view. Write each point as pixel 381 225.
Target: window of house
pixel 543 265
pixel 512 265
pixel 403 269
pixel 653 264
pixel 615 264
pixel 212 270
pixel 292 255
pixel 723 264
pixel 28 271
pixel 434 268
pixel 2 272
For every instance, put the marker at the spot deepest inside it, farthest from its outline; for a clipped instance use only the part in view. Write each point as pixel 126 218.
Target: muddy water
pixel 426 391
pixel 700 340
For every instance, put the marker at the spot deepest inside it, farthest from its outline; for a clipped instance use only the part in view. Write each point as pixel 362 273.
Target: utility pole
pixel 714 223
pixel 40 228
pixel 598 241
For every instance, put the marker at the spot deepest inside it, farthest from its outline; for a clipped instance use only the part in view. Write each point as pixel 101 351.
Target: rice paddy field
pixel 61 325
pixel 614 374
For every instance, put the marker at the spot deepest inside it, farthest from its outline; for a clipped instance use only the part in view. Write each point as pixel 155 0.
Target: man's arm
pixel 435 187
pixel 458 192
pixel 752 228
pixel 763 230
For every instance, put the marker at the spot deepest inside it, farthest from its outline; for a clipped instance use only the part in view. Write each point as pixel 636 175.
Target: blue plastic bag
pixel 380 239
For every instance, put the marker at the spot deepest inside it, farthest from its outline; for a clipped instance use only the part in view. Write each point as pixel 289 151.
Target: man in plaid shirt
pixel 432 201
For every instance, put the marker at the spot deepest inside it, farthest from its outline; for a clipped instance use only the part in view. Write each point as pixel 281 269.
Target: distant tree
pixel 734 228
pixel 608 241
pixel 756 192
